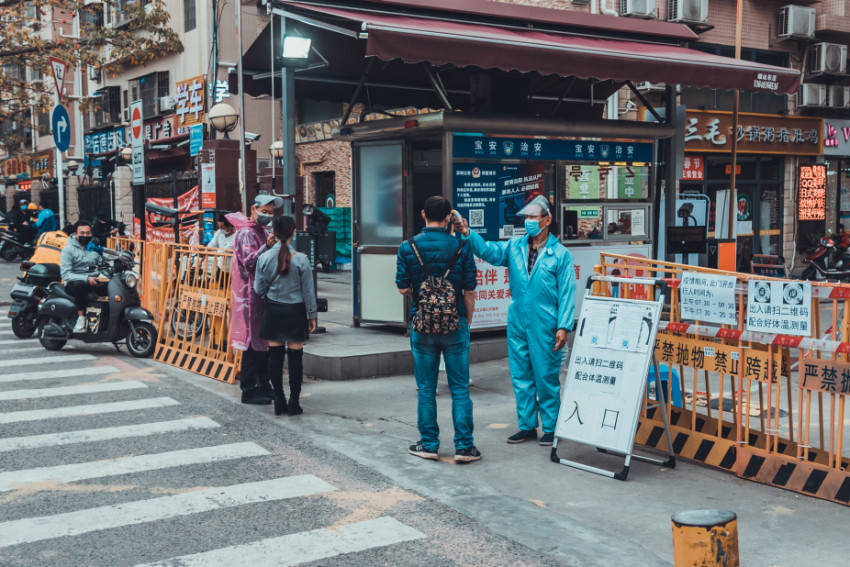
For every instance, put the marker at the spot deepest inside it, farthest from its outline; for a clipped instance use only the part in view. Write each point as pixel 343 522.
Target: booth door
pixel 379 229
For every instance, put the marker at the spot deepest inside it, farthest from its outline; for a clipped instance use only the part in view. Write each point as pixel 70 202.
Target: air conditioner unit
pixel 687 11
pixel 94 74
pixel 829 58
pixel 796 21
pixel 126 115
pixel 811 95
pixel 839 97
pixel 165 104
pixel 637 8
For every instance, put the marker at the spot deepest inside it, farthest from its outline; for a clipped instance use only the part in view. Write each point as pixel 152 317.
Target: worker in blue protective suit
pixel 542 280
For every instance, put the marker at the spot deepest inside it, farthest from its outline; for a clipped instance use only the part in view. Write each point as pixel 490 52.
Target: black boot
pixel 275 373
pixel 296 377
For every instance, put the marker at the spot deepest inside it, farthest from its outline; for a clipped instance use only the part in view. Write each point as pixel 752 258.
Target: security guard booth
pixel 598 177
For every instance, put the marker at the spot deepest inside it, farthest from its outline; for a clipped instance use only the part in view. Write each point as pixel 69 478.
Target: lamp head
pixel 223 118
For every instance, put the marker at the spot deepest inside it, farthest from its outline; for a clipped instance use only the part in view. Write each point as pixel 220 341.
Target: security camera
pixel 250 137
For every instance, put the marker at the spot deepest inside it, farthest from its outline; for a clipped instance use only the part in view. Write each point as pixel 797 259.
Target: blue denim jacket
pixel 437 247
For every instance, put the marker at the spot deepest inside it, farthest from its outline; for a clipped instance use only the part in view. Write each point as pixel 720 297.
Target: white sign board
pixel 603 391
pixel 492 296
pixel 708 297
pixel 783 308
pixel 58 66
pixel 137 142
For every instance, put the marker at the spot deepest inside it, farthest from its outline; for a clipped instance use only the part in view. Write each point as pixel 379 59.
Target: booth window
pixel 601 221
pixel 606 182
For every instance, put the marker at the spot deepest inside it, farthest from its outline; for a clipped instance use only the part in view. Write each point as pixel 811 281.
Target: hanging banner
pixel 708 297
pixel 823 375
pixel 208 185
pixel 717 357
pixel 780 307
pixel 160 229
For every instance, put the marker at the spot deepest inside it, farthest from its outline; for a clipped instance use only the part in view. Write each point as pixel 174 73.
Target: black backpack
pixel 436 309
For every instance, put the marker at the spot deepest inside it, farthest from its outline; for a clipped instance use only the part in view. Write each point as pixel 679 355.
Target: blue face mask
pixel 532 227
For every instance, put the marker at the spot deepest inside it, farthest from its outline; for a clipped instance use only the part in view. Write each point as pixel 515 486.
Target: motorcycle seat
pixel 59 289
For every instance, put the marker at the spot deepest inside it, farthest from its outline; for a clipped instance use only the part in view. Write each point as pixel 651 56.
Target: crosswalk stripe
pixel 71 390
pixel 16 341
pixel 105 433
pixel 30 530
pixel 127 465
pixel 90 409
pixel 28 347
pixel 303 547
pixel 64 373
pixel 39 361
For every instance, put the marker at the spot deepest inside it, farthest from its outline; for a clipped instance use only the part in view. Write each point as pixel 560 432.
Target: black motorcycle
pixel 117 318
pixel 13 245
pixel 27 294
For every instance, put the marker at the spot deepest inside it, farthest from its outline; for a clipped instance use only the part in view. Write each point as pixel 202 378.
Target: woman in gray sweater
pixel 284 278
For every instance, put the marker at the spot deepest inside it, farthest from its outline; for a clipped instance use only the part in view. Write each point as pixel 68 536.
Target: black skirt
pixel 284 322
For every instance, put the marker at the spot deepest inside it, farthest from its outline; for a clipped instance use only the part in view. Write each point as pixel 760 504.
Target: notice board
pixel 607 372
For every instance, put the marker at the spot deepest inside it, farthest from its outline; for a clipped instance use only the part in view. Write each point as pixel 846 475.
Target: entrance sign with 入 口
pixel 778 307
pixel 603 392
pixel 708 297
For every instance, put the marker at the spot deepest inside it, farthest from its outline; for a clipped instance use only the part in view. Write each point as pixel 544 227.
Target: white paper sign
pixel 780 307
pixel 603 391
pixel 708 297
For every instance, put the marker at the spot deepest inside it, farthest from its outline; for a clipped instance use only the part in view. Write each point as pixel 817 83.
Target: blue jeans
pixel 426 365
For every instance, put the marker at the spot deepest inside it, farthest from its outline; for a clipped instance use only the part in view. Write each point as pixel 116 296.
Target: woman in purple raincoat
pixel 250 241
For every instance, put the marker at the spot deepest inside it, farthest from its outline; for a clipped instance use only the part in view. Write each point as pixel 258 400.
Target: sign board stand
pixel 607 377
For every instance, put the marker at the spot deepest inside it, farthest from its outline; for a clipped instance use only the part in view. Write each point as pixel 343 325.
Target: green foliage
pixel 32 31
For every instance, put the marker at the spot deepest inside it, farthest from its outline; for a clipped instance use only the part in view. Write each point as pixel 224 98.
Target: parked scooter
pixel 27 294
pixel 13 246
pixel 826 262
pixel 118 317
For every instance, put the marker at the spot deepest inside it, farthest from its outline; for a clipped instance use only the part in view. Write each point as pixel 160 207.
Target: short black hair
pixel 80 223
pixel 222 218
pixel 437 208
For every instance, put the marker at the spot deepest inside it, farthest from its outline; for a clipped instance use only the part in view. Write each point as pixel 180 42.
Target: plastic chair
pixel 664 370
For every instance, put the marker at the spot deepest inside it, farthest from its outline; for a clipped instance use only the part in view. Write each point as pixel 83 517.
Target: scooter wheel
pixel 8 253
pixel 24 325
pixel 48 342
pixel 141 340
pixel 810 273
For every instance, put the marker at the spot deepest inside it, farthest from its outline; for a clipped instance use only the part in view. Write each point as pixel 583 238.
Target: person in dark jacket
pixel 437 248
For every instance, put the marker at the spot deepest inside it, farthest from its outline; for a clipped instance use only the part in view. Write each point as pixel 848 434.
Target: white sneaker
pixel 81 325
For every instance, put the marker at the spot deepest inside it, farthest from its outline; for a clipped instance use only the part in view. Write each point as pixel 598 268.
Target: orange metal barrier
pixel 768 407
pixel 187 288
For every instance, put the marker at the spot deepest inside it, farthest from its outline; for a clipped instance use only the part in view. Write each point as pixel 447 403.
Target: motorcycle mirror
pixel 95 241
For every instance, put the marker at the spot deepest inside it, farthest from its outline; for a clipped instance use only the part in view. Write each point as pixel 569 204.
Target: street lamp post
pixel 276 151
pixel 295 55
pixel 223 118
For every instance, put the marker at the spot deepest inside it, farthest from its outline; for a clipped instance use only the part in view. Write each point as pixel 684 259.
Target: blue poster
pixel 209 228
pixel 489 196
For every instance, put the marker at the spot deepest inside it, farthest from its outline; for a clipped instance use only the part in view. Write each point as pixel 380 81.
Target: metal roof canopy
pixel 444 121
pixel 568 69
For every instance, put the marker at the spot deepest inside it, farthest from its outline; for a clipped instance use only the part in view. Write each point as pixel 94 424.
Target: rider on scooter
pixel 76 263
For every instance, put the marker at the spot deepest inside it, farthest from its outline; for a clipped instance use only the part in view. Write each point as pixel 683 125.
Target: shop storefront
pixel 770 147
pixel 836 151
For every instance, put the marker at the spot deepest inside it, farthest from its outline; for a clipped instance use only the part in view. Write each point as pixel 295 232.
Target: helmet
pixel 32 207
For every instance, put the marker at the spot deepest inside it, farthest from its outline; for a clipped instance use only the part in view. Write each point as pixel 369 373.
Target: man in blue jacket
pixel 542 280
pixel 437 248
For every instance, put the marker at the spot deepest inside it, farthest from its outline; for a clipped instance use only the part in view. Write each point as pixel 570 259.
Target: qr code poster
pixel 476 218
pixel 782 308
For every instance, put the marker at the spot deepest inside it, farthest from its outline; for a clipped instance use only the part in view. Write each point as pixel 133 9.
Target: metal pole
pixel 175 202
pixel 242 178
pixel 271 66
pixel 287 105
pixel 61 180
pixel 214 59
pixel 733 197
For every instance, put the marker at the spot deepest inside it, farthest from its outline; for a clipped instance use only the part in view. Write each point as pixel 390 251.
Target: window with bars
pixel 149 89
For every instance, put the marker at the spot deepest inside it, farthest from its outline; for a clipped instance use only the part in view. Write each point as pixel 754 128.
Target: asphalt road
pixel 111 461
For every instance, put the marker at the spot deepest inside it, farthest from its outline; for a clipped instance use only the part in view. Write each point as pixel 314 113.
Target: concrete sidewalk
pixel 346 352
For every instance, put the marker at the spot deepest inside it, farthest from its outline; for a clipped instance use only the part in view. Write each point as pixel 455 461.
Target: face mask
pixel 532 228
pixel 84 240
pixel 264 220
